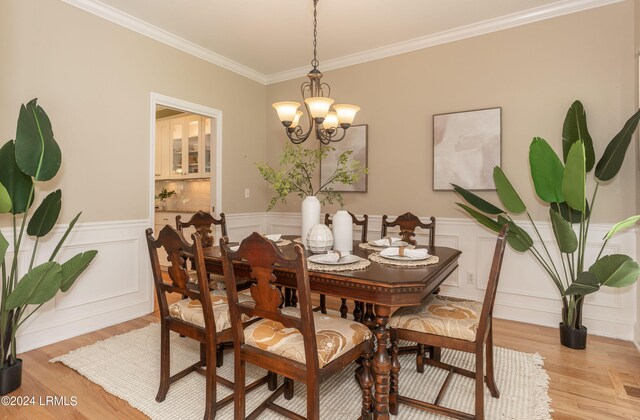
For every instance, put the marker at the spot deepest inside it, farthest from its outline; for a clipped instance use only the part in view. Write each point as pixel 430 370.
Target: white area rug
pixel 128 366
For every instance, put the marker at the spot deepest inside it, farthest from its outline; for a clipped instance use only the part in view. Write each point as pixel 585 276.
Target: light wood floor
pixel 594 384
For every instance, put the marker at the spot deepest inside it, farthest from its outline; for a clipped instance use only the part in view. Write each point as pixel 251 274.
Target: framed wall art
pixel 466 148
pixel 355 140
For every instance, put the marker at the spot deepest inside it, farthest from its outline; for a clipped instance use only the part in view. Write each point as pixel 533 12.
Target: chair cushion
pixel 191 310
pixel 213 279
pixel 334 337
pixel 440 315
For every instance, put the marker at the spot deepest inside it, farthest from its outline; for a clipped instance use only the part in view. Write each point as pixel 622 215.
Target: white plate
pixel 393 245
pixel 347 259
pixel 275 237
pixel 403 258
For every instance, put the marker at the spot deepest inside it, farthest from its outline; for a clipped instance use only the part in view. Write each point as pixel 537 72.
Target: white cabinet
pixel 183 147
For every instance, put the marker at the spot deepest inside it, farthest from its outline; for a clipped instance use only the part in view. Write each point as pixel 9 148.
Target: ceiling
pixel 272 39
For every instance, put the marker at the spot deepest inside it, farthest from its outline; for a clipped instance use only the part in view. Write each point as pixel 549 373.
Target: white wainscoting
pixel 525 292
pixel 117 286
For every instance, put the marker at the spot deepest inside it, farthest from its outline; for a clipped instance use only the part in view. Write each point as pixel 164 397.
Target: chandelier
pixel 329 125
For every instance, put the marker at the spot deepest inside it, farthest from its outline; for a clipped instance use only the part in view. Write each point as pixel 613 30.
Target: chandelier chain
pixel 314 62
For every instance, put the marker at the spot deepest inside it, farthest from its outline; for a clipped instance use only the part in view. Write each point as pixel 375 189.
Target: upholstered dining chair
pixel 457 324
pixel 295 342
pixel 358 308
pixel 202 316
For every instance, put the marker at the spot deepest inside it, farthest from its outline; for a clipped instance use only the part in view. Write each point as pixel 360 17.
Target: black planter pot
pixel 10 377
pixel 572 338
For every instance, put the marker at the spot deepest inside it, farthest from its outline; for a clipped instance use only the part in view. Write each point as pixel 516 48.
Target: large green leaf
pixel 569 214
pixel 517 238
pixel 507 193
pixel 574 179
pixel 574 130
pixel 625 224
pixel 5 200
pixel 477 202
pixel 37 286
pixel 17 183
pixel 585 284
pixel 46 215
pixel 72 269
pixel 37 152
pixel 546 171
pixel 564 233
pixel 481 218
pixel 613 156
pixel 3 247
pixel 615 270
pixel 64 237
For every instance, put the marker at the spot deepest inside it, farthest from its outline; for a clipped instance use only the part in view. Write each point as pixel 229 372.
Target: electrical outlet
pixel 470 278
pixel 247 192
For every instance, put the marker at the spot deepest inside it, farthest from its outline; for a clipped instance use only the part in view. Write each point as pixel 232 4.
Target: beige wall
pixel 534 72
pixel 94 79
pixel 637 90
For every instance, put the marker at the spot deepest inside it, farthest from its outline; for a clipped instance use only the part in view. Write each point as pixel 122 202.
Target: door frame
pixel 214 114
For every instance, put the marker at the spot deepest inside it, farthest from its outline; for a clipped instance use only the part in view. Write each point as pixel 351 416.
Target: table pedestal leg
pixel 381 364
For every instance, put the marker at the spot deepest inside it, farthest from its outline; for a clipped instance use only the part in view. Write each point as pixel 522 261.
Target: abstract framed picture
pixel 355 140
pixel 466 148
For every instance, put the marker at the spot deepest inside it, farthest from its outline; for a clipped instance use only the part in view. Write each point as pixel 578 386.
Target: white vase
pixel 310 216
pixel 342 231
pixel 320 238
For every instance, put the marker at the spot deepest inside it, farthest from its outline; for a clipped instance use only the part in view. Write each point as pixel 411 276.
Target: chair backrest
pixel 364 223
pixel 408 224
pixel 261 255
pixel 178 249
pixel 203 222
pixel 492 284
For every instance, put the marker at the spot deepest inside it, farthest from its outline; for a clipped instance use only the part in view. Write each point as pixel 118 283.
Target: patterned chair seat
pixel 191 310
pixel 334 336
pixel 440 315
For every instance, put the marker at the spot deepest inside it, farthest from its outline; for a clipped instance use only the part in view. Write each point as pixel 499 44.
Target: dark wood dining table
pixel 381 287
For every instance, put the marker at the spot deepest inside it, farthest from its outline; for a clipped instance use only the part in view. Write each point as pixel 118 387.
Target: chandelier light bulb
pixel 319 107
pixel 286 111
pixel 296 120
pixel 331 121
pixel 346 113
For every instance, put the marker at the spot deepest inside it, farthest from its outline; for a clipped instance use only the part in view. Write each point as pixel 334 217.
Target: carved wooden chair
pixel 408 224
pixel 202 316
pixel 469 332
pixel 324 344
pixel 358 309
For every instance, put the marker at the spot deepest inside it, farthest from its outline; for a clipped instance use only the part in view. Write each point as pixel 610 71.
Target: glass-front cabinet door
pixel 177 167
pixel 187 142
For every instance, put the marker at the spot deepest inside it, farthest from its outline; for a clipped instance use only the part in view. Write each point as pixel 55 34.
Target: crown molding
pixel 118 17
pixel 144 28
pixel 560 8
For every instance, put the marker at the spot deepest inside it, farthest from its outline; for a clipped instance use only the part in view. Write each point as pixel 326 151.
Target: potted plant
pixel 34 156
pixel 561 184
pixel 163 195
pixel 298 165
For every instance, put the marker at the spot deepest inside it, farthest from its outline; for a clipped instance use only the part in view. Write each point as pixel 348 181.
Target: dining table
pixel 382 287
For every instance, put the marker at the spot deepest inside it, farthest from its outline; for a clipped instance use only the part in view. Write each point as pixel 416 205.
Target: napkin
pixel 275 237
pixel 331 256
pixel 414 254
pixel 386 241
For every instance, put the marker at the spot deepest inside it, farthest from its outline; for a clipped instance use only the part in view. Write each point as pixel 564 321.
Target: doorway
pixel 185 158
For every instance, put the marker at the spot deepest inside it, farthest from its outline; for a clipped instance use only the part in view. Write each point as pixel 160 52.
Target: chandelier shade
pixel 329 124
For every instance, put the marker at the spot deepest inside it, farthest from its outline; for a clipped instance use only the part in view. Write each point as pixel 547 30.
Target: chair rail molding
pixel 117 287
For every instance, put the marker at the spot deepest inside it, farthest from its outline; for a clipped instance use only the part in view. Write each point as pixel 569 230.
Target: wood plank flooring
pixel 602 382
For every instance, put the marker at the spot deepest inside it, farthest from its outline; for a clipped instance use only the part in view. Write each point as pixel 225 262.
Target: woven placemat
pixel 298 240
pixel 283 242
pixel 406 264
pixel 358 265
pixel 369 247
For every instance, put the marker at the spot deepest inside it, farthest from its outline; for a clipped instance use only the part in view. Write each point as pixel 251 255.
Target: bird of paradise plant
pixel 562 185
